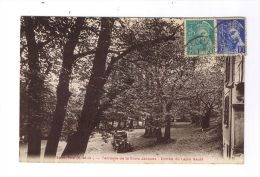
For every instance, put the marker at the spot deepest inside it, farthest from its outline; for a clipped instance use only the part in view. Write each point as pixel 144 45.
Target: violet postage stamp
pixel 231 36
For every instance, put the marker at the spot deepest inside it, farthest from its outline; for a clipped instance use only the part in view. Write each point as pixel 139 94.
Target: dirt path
pixel 188 141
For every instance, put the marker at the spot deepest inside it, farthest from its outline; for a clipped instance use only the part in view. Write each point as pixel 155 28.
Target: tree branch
pixel 140 45
pixel 83 54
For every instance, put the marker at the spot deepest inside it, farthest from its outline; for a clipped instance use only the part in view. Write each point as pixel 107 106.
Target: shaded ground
pixel 188 141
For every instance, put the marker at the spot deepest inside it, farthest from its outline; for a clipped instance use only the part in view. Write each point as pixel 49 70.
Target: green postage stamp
pixel 199 37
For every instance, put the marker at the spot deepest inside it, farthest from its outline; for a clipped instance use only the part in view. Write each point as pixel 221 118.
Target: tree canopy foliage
pixel 94 71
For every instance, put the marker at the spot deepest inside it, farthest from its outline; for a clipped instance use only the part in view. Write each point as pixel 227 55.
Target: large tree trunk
pixel 150 132
pixel 167 133
pixel 77 144
pixel 34 142
pixel 119 124
pixel 205 122
pixel 146 131
pixel 131 124
pixel 124 126
pixel 158 134
pixel 63 93
pixel 34 91
pixel 206 119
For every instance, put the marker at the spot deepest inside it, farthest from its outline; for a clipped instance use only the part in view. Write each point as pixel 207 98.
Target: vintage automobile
pixel 120 143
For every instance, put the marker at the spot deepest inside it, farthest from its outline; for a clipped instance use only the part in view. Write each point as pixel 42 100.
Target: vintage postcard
pixel 132 90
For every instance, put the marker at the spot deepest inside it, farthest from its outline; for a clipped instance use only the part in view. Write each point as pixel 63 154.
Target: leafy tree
pixel 206 89
pixel 32 81
pixel 166 74
pixel 63 93
pixel 90 116
pixel 77 143
pixel 55 42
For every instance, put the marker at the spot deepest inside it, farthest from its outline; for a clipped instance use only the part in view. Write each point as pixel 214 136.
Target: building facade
pixel 233 104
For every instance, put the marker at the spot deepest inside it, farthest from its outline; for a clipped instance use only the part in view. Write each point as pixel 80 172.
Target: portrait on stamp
pixel 200 37
pixel 231 36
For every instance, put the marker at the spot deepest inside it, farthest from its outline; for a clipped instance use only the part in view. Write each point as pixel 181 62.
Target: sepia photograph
pixel 132 90
pixel 129 88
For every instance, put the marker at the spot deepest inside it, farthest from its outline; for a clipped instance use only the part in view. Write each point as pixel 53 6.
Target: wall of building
pixel 233 103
